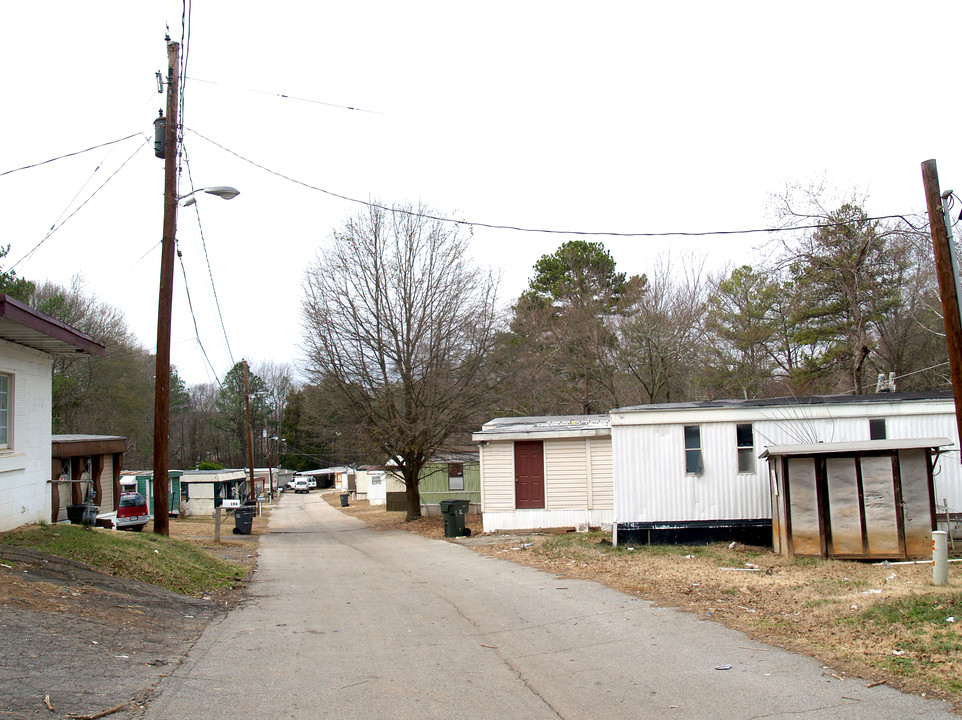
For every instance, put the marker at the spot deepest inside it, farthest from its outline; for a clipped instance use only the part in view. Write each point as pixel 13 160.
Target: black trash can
pixel 75 513
pixel 454 513
pixel 344 499
pixel 243 520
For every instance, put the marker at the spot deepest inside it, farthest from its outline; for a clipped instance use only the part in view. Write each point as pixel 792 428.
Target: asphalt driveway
pixel 347 622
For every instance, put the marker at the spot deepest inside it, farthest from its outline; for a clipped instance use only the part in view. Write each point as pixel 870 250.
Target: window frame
pixel 873 427
pixel 6 411
pixel 455 476
pixel 745 452
pixel 694 461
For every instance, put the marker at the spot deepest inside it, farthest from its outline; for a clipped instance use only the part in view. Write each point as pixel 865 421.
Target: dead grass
pixel 878 622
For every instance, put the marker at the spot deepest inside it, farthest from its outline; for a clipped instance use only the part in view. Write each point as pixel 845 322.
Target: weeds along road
pixel 348 622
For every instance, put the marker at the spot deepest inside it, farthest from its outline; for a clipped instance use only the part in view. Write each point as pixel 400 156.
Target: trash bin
pixel 243 520
pixel 75 513
pixel 344 499
pixel 454 513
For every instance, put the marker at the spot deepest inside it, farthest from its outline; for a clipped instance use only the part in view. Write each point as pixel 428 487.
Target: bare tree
pixel 401 323
pixel 661 333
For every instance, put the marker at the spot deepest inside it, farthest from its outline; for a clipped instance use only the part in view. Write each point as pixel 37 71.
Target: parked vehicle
pixel 132 512
pixel 311 483
pixel 300 486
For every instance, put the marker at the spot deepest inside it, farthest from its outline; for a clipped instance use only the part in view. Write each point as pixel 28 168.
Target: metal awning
pixel 856 446
pixel 26 326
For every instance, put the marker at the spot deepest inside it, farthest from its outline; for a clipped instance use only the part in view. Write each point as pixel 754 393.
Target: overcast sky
pixel 629 117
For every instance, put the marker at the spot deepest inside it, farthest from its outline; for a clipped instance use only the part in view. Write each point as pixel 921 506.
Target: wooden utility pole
pixel 944 266
pixel 162 376
pixel 250 449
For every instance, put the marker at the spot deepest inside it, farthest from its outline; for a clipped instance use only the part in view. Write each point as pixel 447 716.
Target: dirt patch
pixel 815 607
pixel 85 642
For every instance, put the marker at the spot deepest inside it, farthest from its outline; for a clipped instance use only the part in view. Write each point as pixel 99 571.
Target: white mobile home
pixel 691 470
pixel 544 472
pixel 203 490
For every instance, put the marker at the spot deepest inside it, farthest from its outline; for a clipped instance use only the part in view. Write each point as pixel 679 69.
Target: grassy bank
pixel 178 565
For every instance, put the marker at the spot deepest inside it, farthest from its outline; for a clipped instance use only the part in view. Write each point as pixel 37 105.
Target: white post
pixel 940 558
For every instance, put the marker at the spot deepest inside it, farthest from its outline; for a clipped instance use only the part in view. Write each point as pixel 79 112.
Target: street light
pixel 221 191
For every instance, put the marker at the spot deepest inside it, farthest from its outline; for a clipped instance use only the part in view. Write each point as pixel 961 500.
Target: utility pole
pixel 250 449
pixel 162 375
pixel 948 282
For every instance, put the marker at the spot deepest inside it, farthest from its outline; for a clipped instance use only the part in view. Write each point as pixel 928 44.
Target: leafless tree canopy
pixel 401 321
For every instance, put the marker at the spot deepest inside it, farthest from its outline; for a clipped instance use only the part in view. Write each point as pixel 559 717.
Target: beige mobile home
pixel 546 472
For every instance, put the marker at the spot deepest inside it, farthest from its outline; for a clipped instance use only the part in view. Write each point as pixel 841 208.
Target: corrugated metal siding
pixel 565 479
pixel 497 476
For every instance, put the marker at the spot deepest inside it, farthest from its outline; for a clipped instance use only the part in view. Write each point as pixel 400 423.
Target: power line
pixel 516 228
pixel 285 96
pixel 210 270
pixel 79 207
pixel 193 317
pixel 61 157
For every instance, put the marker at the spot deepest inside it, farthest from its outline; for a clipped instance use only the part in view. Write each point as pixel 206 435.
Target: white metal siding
pixel 533 519
pixel 497 476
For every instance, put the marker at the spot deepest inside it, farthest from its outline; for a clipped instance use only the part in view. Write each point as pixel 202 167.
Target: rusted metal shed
pixel 854 500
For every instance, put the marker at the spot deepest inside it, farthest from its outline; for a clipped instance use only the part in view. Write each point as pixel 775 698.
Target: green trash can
pixel 454 513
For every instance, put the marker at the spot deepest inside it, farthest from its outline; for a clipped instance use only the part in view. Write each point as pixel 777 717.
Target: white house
pixel 542 472
pixel 203 490
pixel 692 470
pixel 28 341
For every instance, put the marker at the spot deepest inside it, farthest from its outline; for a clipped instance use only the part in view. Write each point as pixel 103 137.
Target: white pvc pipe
pixel 940 556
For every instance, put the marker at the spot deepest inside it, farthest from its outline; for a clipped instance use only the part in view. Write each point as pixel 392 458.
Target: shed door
pixel 863 506
pixel 882 514
pixel 529 474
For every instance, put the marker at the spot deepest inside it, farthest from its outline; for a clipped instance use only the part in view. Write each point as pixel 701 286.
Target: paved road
pixel 346 622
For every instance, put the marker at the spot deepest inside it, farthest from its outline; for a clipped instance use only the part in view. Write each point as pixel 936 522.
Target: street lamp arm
pixel 221 191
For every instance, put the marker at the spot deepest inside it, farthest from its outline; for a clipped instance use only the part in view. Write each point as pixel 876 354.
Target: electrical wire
pixel 285 96
pixel 210 270
pixel 193 317
pixel 68 155
pixel 79 207
pixel 186 9
pixel 516 228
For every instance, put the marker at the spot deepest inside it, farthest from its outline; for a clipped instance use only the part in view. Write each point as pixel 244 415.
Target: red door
pixel 529 474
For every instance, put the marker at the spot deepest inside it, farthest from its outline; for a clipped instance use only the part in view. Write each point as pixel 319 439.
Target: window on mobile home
pixel 455 476
pixel 693 461
pixel 876 429
pixel 745 442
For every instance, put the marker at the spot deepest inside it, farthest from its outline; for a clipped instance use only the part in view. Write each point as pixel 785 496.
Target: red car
pixel 132 512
